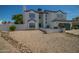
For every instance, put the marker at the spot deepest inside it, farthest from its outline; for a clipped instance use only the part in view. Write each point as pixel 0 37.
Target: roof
pixel 54 11
pixel 45 11
pixel 31 20
pixel 62 20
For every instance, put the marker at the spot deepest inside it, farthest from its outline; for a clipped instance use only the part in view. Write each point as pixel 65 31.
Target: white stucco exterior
pixel 48 18
pixel 27 18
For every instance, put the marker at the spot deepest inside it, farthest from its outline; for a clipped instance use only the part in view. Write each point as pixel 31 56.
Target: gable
pixel 60 12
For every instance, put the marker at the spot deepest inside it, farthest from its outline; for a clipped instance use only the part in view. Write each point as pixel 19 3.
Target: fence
pixel 53 30
pixel 5 27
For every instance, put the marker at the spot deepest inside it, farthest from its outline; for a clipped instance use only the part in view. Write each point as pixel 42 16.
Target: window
pixel 39 17
pixel 46 18
pixel 47 26
pixel 55 27
pixel 31 15
pixel 32 25
pixel 45 15
pixel 46 22
pixel 59 15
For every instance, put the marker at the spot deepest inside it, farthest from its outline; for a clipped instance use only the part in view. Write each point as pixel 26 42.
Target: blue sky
pixel 6 11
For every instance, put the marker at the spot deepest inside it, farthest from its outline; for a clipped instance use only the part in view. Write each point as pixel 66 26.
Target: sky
pixel 7 11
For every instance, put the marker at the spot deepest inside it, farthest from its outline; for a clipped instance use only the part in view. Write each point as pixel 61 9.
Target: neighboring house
pixel 75 23
pixel 7 22
pixel 35 19
pixel 0 21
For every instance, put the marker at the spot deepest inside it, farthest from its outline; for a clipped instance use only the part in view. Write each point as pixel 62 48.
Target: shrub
pixel 12 28
pixel 75 27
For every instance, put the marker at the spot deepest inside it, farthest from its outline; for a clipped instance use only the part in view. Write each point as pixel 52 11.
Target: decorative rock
pixel 22 48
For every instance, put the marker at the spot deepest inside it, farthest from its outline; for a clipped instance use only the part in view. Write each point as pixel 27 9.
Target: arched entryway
pixel 32 25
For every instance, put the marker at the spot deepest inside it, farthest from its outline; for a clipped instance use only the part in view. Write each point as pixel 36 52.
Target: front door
pixel 32 25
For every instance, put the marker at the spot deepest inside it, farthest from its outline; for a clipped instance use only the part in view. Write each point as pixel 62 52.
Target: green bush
pixel 12 28
pixel 75 27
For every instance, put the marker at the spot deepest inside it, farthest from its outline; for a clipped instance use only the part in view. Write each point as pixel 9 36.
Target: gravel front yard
pixel 52 42
pixel 5 47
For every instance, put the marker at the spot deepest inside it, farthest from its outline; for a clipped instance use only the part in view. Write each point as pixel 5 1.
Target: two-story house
pixel 35 19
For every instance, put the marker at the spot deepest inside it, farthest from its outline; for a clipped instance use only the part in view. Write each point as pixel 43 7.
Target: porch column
pixel 44 25
pixel 70 25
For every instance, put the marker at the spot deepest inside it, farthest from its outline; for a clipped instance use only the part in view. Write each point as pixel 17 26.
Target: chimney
pixel 24 7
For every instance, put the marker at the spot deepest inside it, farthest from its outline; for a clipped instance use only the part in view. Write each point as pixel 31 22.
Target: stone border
pixel 19 46
pixel 44 32
pixel 72 34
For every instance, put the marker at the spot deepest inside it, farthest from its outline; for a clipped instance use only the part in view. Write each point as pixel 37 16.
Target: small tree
pixel 12 28
pixel 18 18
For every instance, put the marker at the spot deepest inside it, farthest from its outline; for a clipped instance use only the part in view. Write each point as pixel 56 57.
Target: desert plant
pixel 75 27
pixel 12 28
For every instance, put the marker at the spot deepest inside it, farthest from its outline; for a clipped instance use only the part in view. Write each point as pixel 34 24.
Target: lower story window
pixel 32 25
pixel 47 26
pixel 55 27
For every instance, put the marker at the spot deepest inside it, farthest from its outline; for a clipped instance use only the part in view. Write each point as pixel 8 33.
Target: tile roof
pixel 62 20
pixel 45 11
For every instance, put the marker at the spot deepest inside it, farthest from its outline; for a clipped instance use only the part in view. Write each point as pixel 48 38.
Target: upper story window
pixel 45 15
pixel 32 15
pixel 40 16
pixel 46 22
pixel 59 15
